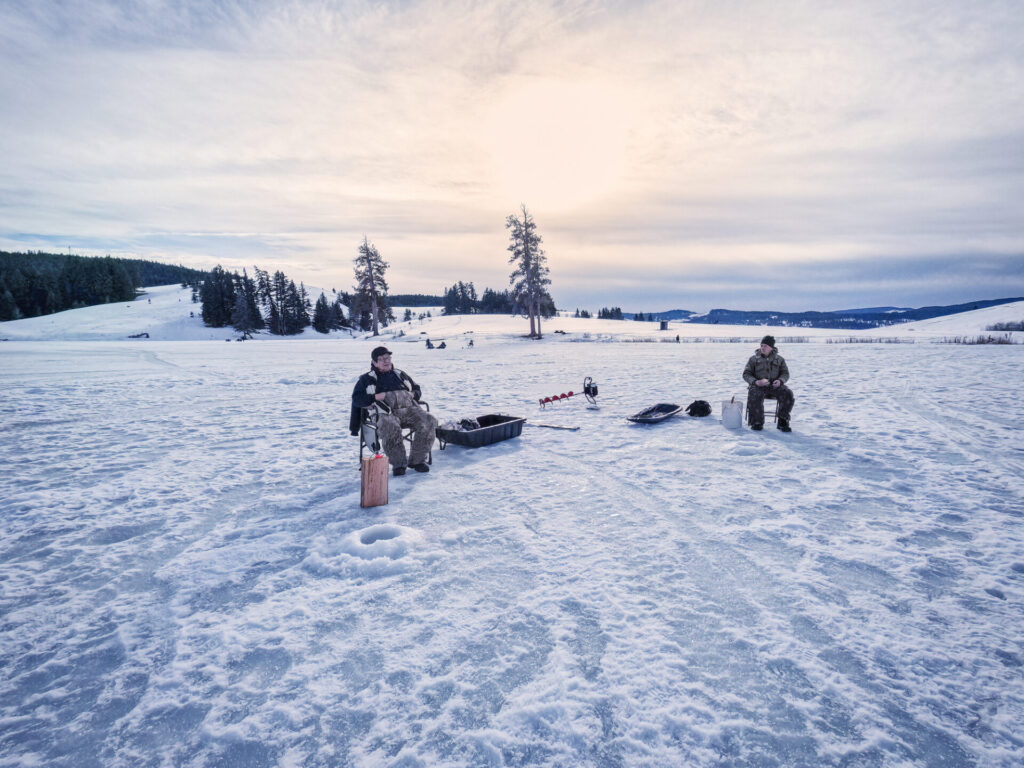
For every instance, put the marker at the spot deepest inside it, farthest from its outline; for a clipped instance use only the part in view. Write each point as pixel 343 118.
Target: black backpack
pixel 699 408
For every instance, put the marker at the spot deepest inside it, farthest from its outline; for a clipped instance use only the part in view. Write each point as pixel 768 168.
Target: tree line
pixel 273 302
pixel 462 299
pixel 615 313
pixel 415 300
pixel 36 283
pixel 265 302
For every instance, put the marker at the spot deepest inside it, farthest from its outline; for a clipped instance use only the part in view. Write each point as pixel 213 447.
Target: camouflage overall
pixel 405 412
pixel 755 401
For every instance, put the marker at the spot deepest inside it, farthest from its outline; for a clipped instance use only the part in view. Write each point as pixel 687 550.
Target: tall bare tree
pixel 529 278
pixel 370 282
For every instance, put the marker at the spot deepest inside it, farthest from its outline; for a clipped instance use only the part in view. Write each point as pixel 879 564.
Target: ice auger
pixel 589 392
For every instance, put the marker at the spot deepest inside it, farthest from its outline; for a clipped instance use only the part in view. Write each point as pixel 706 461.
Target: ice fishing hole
pixel 379 533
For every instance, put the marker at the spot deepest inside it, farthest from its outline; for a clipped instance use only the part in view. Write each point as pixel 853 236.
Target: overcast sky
pixel 674 154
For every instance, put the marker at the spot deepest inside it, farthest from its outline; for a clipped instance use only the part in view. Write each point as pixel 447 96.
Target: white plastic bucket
pixel 732 414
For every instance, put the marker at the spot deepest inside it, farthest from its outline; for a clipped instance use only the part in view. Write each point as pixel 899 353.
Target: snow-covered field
pixel 186 576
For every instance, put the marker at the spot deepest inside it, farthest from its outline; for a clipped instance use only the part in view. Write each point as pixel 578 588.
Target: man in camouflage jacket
pixel 396 397
pixel 767 374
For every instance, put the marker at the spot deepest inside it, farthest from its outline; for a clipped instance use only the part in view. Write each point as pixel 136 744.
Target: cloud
pixel 720 137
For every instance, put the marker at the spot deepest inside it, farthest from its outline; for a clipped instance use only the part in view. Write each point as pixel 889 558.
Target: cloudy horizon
pixel 674 154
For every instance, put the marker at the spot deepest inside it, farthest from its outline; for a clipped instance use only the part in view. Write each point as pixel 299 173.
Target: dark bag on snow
pixel 699 408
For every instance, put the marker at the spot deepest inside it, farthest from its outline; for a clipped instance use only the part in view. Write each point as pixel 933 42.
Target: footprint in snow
pixel 746 450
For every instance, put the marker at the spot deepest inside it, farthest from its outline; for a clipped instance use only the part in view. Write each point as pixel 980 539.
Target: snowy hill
pixel 166 313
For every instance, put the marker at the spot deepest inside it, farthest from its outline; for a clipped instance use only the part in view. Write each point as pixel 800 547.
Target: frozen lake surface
pixel 186 576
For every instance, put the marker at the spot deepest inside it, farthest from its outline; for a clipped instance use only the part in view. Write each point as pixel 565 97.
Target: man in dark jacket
pixel 396 398
pixel 767 374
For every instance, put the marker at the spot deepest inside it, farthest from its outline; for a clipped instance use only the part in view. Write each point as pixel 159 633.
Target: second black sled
pixel 655 414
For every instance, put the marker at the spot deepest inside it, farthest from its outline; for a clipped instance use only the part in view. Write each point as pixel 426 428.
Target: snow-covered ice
pixel 187 578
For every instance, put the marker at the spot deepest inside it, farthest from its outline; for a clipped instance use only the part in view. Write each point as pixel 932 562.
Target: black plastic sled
pixel 655 413
pixel 493 429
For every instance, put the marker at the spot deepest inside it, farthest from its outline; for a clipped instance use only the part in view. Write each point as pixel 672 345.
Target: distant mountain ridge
pixel 869 317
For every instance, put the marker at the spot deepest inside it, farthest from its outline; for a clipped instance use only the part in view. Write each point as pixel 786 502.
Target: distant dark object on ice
pixel 1006 338
pixel 1006 326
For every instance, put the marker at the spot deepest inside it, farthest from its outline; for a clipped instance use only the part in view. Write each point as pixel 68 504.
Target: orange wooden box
pixel 374 481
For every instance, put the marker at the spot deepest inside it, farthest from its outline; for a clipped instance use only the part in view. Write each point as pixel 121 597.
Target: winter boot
pixel 423 467
pixel 398 471
pixel 784 425
pixel 757 427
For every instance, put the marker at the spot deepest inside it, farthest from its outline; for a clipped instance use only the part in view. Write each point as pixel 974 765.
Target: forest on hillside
pixel 36 283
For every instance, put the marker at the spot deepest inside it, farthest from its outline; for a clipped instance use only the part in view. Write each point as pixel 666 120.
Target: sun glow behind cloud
pixel 558 144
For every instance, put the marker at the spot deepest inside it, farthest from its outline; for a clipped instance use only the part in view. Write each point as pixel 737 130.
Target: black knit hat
pixel 378 352
pixel 769 340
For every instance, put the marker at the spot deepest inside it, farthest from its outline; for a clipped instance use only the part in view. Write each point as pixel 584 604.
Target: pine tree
pixel 387 314
pixel 303 307
pixel 321 315
pixel 247 289
pixel 265 299
pixel 278 320
pixel 122 286
pixel 451 301
pixel 274 320
pixel 337 318
pixel 467 298
pixel 218 298
pixel 494 303
pixel 529 278
pixel 370 285
pixel 293 310
pixel 242 318
pixel 8 307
